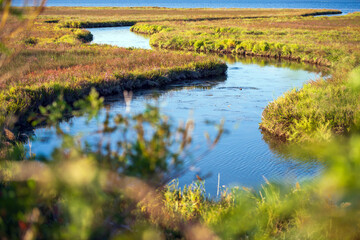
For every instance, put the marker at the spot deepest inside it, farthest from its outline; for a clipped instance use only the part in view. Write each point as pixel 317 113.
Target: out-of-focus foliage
pixel 119 193
pixel 91 191
pixel 327 207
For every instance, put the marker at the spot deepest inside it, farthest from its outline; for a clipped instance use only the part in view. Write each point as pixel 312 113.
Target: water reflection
pixel 279 63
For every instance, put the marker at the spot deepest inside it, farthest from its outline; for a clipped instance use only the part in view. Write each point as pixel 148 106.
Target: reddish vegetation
pixel 86 62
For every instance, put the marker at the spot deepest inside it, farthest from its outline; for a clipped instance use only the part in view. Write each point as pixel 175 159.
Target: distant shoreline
pixel 350 7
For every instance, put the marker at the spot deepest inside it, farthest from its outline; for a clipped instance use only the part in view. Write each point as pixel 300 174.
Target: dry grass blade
pixel 14 32
pixel 9 135
pixel 5 14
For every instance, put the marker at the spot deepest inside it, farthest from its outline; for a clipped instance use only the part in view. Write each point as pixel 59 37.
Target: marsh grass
pixel 74 71
pixel 321 109
pixel 318 111
pixel 305 39
pixel 55 59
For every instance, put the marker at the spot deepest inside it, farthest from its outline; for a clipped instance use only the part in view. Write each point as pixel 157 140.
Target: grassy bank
pixel 50 59
pixel 43 34
pixel 323 107
pixel 281 33
pixel 73 71
pixel 307 39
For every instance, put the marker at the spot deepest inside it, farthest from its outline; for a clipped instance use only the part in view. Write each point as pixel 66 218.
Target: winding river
pixel 242 156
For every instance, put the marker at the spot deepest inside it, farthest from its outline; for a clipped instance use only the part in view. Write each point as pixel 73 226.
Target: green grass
pixel 315 112
pixel 322 108
pixel 288 37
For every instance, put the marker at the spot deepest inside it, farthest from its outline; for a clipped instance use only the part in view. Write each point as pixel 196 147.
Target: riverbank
pixel 307 39
pixel 74 70
pixel 57 59
pixel 301 115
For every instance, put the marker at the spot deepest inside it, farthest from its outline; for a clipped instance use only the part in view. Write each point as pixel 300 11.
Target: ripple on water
pixel 238 88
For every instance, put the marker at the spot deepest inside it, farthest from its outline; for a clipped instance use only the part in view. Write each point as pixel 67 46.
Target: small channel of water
pixel 242 157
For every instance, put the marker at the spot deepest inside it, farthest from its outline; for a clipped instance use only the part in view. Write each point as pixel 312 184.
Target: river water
pixel 242 157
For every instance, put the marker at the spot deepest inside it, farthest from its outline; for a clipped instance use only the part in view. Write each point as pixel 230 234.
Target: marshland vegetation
pixel 82 193
pixel 241 31
pixel 322 107
pixel 75 70
pixel 55 59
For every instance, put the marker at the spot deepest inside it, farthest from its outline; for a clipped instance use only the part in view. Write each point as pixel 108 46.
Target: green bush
pixel 286 50
pixel 247 45
pixel 198 44
pixel 31 41
pixel 84 36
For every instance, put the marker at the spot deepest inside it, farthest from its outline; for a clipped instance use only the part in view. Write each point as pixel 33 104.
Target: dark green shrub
pixel 31 41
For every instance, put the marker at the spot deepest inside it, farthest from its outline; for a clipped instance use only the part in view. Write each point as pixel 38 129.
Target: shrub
pixel 231 43
pixel 198 44
pixel 31 41
pixel 286 50
pixel 247 45
pixel 264 46
pixel 261 47
pixel 220 45
pixel 256 48
pixel 84 36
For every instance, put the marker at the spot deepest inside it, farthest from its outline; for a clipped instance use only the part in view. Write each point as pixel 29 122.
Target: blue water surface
pixel 346 6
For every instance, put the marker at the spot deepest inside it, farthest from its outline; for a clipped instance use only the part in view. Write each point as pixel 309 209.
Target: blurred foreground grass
pixel 123 192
